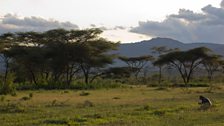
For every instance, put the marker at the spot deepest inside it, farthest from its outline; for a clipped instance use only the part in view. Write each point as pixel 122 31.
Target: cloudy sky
pixel 121 20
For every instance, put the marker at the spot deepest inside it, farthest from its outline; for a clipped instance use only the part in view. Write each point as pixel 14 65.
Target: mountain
pixel 144 47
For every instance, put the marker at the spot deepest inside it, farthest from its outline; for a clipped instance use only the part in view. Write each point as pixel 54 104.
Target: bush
pixel 83 93
pixel 86 103
pixel 2 99
pixel 30 95
pixel 8 87
pixel 25 98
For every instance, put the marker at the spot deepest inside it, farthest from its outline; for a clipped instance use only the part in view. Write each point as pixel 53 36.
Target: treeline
pixel 54 57
pixel 57 58
pixel 199 62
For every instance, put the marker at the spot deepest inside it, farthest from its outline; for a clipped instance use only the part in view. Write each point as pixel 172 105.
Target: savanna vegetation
pixel 67 77
pixel 127 106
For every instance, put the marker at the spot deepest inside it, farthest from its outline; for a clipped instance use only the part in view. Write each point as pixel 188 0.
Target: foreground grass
pixel 136 106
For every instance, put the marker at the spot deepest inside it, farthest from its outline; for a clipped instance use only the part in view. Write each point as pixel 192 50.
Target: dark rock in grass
pixel 116 98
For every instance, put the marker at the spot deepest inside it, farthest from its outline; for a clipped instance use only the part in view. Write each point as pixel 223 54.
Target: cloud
pixel 92 25
pixel 188 26
pixel 188 15
pixel 119 28
pixel 106 28
pixel 222 4
pixel 13 23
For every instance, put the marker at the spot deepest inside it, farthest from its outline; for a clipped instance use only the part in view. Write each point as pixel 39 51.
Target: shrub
pixel 13 94
pixel 159 112
pixel 83 93
pixel 53 103
pixel 30 95
pixel 25 98
pixel 2 98
pixel 8 87
pixel 85 104
pixel 88 103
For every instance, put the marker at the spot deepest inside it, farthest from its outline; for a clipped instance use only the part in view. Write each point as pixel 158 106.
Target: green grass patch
pixel 134 106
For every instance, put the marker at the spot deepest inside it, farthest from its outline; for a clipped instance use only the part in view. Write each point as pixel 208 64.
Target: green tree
pixel 28 58
pixel 212 64
pixel 56 55
pixel 95 56
pixel 161 50
pixel 184 61
pixel 136 64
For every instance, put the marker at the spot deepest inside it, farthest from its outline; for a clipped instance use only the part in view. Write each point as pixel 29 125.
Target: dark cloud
pixel 222 4
pixel 12 23
pixel 189 15
pixel 93 25
pixel 104 28
pixel 119 28
pixel 188 26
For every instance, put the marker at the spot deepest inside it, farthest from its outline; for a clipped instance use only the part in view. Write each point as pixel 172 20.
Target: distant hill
pixel 144 47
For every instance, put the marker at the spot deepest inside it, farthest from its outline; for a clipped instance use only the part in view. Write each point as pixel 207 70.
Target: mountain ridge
pixel 144 47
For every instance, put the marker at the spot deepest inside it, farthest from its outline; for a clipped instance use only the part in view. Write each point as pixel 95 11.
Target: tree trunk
pixel 86 78
pixel 160 74
pixel 86 73
pixel 6 72
pixel 33 76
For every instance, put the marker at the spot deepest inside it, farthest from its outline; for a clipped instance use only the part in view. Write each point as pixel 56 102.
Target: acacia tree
pixel 212 64
pixel 77 50
pixel 94 56
pixel 161 50
pixel 136 64
pixel 58 54
pixel 184 61
pixel 28 56
pixel 27 62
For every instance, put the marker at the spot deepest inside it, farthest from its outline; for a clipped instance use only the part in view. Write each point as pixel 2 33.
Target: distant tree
pixel 184 61
pixel 161 50
pixel 212 64
pixel 136 64
pixel 118 72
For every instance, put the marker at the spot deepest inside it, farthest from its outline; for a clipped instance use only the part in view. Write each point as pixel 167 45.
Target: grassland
pixel 131 106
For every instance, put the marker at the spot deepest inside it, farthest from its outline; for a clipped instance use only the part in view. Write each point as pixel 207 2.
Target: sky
pixel 121 20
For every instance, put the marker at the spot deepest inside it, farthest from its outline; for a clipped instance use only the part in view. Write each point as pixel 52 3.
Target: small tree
pixel 212 64
pixel 161 50
pixel 136 64
pixel 94 57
